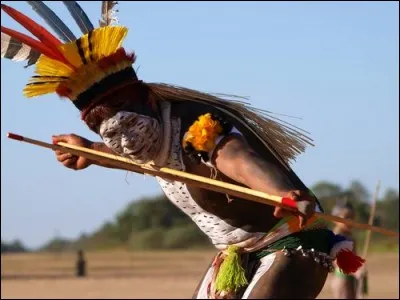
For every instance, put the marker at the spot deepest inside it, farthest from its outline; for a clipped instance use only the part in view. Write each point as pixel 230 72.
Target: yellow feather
pixel 104 42
pixel 71 53
pixel 85 47
pixel 84 79
pixel 39 89
pixel 46 66
pixel 91 75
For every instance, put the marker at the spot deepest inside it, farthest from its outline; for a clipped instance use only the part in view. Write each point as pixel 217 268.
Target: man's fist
pixel 305 204
pixel 67 159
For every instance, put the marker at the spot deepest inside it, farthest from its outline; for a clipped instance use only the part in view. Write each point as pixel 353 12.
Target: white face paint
pixel 135 136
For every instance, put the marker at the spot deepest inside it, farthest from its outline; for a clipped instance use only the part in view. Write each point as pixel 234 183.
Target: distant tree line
pixel 13 247
pixel 387 213
pixel 156 223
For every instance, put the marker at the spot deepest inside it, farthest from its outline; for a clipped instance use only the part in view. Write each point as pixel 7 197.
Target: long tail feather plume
pixel 108 13
pixel 52 20
pixel 15 50
pixel 79 16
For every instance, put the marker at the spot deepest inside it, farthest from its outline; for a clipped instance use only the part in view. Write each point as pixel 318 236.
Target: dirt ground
pixel 149 275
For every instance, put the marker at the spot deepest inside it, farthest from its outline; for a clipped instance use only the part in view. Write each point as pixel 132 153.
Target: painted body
pixel 225 220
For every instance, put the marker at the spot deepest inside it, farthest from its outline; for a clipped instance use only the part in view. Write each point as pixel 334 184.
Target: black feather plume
pixel 79 16
pixel 52 20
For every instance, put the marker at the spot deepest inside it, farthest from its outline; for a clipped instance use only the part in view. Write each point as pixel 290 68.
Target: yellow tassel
pixel 231 275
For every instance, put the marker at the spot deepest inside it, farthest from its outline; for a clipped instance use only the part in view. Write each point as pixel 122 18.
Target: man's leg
pixel 282 277
pixel 278 276
pixel 201 289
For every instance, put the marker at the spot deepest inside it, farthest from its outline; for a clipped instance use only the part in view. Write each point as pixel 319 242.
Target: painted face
pixel 132 135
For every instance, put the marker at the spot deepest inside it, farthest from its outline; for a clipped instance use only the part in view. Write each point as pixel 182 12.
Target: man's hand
pixel 69 160
pixel 305 204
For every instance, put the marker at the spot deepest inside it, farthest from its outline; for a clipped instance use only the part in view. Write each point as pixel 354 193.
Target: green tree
pixel 388 209
pixel 326 189
pixel 156 223
pixel 358 191
pixel 15 246
pixel 328 194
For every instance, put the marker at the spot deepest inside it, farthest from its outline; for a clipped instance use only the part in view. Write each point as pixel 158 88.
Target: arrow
pixel 191 179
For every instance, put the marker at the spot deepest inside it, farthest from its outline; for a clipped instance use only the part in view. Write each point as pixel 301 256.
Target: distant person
pixel 81 265
pixel 344 286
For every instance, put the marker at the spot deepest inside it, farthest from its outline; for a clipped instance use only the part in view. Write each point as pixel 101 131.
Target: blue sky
pixel 334 64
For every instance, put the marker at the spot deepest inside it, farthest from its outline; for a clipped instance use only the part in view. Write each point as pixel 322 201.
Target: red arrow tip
pixel 15 136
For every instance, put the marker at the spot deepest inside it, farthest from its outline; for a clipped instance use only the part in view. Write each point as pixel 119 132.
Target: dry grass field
pixel 122 274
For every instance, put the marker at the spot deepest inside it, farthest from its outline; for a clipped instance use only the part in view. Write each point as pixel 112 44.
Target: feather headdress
pixel 85 67
pixel 74 68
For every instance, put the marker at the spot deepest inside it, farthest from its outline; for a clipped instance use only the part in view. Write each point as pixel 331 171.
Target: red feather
pixel 30 42
pixel 39 31
pixel 348 262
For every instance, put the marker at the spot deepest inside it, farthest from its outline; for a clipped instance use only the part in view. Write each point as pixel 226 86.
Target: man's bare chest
pixel 223 220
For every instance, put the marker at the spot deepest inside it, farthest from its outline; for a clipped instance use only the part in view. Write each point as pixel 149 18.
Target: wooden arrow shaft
pixel 191 179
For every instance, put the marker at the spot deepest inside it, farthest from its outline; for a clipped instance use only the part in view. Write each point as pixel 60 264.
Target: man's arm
pixel 78 162
pixel 237 160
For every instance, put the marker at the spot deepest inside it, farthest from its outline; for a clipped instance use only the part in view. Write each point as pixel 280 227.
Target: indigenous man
pixel 344 286
pixel 265 252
